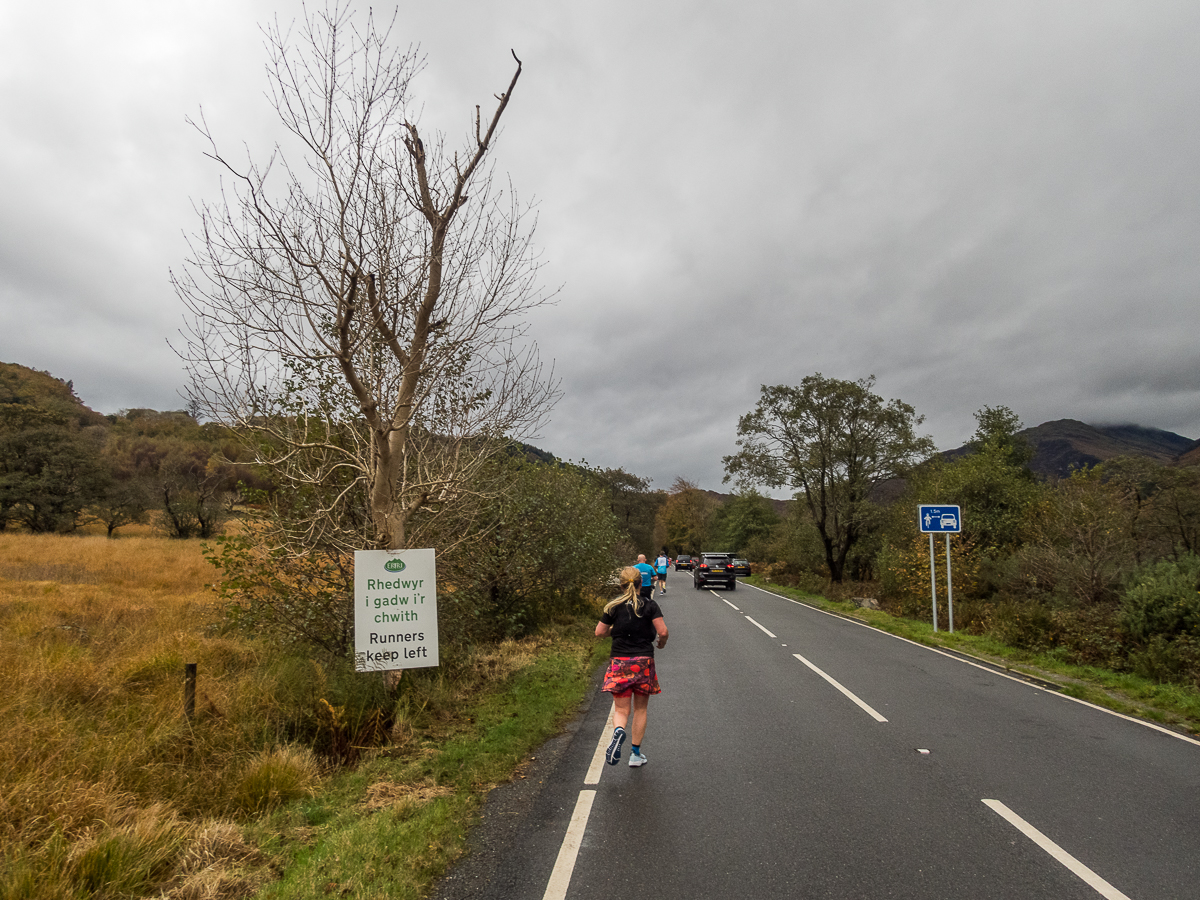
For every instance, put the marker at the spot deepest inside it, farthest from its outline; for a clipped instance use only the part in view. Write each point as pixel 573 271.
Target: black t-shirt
pixel 633 635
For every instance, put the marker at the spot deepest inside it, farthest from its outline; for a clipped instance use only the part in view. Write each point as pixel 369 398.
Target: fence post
pixel 189 691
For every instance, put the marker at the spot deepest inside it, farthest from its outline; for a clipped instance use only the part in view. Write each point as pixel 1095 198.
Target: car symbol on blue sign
pixel 940 519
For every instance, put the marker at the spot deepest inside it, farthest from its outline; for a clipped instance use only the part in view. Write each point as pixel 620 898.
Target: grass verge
pixel 1172 705
pixel 393 826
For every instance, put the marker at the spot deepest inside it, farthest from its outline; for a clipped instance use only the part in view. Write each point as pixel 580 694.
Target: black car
pixel 713 569
pixel 741 567
pixel 683 561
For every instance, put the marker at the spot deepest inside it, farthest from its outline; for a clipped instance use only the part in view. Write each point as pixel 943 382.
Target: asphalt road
pixel 867 767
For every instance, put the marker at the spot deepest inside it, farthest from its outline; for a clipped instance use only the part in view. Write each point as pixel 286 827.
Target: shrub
pixel 1164 599
pixel 1163 659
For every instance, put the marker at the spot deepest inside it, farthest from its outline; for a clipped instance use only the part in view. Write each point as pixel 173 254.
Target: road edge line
pixel 564 865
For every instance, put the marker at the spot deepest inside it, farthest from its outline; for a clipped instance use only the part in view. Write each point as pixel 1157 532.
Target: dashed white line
pixel 876 716
pixel 564 866
pixel 763 630
pixel 1094 881
pixel 731 606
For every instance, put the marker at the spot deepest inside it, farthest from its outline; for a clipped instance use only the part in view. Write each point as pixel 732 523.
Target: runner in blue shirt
pixel 647 589
pixel 660 566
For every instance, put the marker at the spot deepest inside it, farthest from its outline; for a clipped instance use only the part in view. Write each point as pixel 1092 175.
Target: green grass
pixel 393 825
pixel 1173 705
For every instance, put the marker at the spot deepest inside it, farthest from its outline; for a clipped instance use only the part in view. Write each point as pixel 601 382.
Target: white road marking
pixel 959 659
pixel 876 716
pixel 723 600
pixel 598 761
pixel 1094 881
pixel 763 630
pixel 564 866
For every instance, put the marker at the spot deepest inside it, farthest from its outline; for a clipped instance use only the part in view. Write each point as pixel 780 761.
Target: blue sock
pixel 636 748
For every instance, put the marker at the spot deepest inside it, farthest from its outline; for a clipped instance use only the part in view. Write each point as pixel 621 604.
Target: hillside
pixel 1067 444
pixel 1190 456
pixel 22 386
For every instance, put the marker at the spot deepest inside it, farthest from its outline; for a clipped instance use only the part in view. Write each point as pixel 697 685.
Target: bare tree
pixel 358 300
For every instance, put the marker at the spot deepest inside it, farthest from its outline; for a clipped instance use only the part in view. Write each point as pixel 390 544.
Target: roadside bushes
pixel 1160 611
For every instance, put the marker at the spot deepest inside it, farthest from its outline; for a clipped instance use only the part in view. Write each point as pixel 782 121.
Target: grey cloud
pixel 979 203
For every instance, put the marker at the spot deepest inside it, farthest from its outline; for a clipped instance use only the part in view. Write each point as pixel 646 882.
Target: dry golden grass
pixel 105 786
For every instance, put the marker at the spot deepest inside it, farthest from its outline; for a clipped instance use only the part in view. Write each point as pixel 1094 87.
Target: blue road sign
pixel 940 519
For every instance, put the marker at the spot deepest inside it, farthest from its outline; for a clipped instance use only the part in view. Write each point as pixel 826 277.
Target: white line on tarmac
pixel 870 712
pixel 1094 881
pixel 564 866
pixel 597 766
pixel 723 600
pixel 993 671
pixel 763 630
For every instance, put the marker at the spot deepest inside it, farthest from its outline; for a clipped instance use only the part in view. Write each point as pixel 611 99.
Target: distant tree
pixel 50 470
pixel 1163 503
pixel 194 492
pixel 123 503
pixel 997 430
pixel 633 504
pixel 831 441
pixel 745 520
pixel 1081 544
pixel 684 521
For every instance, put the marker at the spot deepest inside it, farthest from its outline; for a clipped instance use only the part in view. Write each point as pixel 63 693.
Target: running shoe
pixel 637 759
pixel 613 753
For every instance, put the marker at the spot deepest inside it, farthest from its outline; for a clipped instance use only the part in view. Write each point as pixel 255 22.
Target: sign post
pixel 395 610
pixel 945 520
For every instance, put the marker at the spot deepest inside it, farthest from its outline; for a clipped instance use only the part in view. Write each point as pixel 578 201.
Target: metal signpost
pixel 945 520
pixel 395 610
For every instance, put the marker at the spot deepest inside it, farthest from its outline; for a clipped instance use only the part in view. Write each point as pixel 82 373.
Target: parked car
pixel 713 569
pixel 741 567
pixel 683 561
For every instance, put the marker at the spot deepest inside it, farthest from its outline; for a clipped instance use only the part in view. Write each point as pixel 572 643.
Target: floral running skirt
pixel 631 673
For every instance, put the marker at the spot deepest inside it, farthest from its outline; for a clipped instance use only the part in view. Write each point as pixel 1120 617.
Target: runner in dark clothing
pixel 637 627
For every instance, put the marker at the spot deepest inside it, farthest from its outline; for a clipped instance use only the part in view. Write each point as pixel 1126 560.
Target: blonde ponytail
pixel 631 580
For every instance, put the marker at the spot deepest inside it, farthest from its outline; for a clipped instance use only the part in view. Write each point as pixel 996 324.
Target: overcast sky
pixel 979 203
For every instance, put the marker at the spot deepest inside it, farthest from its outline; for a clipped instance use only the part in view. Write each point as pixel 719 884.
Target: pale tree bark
pixel 359 299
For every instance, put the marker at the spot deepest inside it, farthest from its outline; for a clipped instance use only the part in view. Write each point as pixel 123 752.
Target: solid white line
pixel 564 866
pixel 764 631
pixel 598 761
pixel 723 600
pixel 876 716
pixel 967 662
pixel 1094 881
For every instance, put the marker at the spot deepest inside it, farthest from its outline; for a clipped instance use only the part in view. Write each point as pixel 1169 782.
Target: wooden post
pixel 189 691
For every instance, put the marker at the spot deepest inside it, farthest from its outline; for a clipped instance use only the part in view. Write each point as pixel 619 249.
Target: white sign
pixel 395 610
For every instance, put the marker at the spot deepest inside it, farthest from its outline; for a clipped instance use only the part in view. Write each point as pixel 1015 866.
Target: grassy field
pixel 293 776
pixel 1177 706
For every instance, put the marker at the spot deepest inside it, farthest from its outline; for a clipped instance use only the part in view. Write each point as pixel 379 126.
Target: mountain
pixel 1190 456
pixel 1067 444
